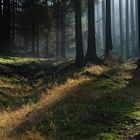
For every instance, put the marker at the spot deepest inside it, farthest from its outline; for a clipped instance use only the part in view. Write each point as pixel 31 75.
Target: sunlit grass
pixel 19 60
pixel 95 103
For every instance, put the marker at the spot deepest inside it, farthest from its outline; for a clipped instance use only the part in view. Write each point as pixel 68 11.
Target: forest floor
pixel 44 99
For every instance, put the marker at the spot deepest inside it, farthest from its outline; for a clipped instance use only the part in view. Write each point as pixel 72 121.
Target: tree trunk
pixel 108 29
pixel 33 39
pixel 133 30
pixel 1 27
pixel 127 30
pixel 78 34
pixel 26 41
pixel 91 55
pixel 6 27
pixel 47 45
pixel 37 41
pixel 57 28
pixel 63 31
pixel 121 29
pixel 13 23
pixel 113 24
pixel 137 32
pixel 98 25
pixel 103 23
pixel 139 24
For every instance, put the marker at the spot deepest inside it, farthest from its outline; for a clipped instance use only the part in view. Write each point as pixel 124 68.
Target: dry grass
pixel 9 120
pixel 74 88
pixel 96 69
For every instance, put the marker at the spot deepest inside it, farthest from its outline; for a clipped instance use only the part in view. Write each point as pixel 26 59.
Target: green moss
pixel 108 136
pixel 112 114
pixel 109 114
pixel 18 60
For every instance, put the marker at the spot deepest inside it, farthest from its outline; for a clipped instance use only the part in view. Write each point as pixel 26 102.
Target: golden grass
pixel 10 119
pixel 95 69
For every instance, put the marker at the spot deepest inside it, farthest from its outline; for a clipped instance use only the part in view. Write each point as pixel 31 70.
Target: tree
pixel 1 21
pixel 121 28
pixel 57 18
pixel 133 29
pixel 33 22
pixel 13 14
pixel 103 23
pixel 127 30
pixel 5 27
pixel 139 23
pixel 137 32
pixel 113 24
pixel 63 28
pixel 60 12
pixel 91 55
pixel 78 33
pixel 108 29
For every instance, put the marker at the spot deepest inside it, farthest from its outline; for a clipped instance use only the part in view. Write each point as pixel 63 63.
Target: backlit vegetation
pixel 96 102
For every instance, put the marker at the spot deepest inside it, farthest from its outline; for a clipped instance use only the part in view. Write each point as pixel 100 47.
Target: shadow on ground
pixel 96 109
pixel 25 82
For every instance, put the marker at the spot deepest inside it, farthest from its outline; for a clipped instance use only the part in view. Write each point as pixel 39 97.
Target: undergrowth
pixel 96 102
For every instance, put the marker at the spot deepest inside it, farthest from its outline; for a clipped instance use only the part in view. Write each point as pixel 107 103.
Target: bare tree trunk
pixel 91 55
pixel 113 24
pixel 13 23
pixel 6 27
pixel 108 29
pixel 78 34
pixel 38 38
pixel 1 27
pixel 98 24
pixel 63 31
pixel 139 23
pixel 57 28
pixel 33 39
pixel 137 32
pixel 121 29
pixel 127 30
pixel 104 23
pixel 26 41
pixel 47 45
pixel 133 30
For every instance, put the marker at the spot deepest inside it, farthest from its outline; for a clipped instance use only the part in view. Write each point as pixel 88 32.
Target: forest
pixel 69 69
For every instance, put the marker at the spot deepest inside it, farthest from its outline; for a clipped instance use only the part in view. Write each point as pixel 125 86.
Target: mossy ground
pixel 96 102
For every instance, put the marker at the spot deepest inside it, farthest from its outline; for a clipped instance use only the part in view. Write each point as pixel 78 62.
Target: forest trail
pixel 96 102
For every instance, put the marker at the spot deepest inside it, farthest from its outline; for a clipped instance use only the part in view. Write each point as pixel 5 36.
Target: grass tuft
pixel 96 102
